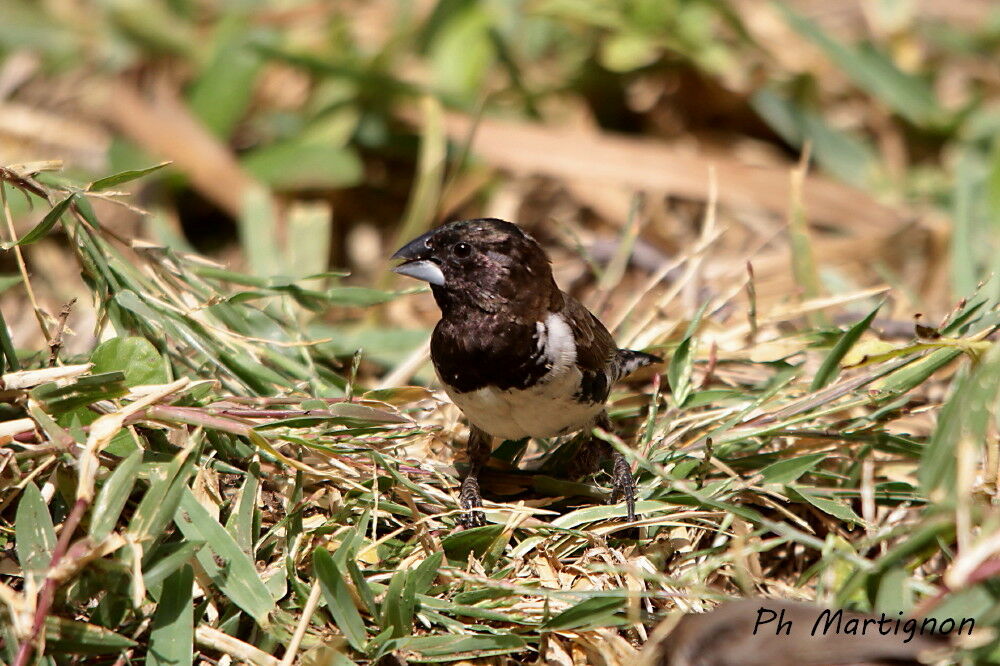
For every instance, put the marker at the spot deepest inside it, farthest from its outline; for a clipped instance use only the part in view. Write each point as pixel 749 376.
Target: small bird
pixel 518 356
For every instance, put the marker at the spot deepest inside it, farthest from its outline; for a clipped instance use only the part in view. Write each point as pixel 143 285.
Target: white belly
pixel 544 410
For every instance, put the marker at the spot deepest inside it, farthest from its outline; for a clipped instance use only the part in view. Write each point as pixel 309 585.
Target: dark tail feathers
pixel 628 361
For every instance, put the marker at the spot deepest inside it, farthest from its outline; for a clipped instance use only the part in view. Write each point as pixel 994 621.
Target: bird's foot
pixel 471 502
pixel 624 487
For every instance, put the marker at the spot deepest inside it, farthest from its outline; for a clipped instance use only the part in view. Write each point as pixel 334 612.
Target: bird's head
pixel 487 264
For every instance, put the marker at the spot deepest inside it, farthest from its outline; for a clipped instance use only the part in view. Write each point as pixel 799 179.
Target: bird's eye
pixel 461 250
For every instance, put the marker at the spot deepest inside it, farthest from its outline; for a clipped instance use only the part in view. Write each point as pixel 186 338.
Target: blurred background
pixel 842 145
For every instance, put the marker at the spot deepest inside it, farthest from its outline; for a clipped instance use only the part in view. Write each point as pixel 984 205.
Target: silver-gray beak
pixel 422 269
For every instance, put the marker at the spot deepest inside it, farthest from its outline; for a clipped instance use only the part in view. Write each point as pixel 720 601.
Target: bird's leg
pixel 621 472
pixel 471 501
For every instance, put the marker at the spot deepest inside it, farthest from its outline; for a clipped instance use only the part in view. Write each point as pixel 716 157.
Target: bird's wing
pixel 595 348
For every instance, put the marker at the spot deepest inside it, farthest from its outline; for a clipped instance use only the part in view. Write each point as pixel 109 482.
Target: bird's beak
pixel 419 263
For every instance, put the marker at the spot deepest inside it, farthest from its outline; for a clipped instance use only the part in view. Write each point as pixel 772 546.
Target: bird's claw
pixel 471 502
pixel 624 485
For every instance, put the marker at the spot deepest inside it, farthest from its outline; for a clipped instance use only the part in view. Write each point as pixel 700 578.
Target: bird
pixel 517 355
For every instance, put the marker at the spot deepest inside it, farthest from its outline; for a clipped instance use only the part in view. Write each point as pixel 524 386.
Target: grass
pixel 232 452
pixel 221 489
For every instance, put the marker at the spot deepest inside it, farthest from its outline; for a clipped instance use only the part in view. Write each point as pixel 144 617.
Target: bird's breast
pixel 549 405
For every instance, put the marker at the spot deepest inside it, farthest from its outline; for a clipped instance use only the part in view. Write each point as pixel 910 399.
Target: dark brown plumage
pixel 517 355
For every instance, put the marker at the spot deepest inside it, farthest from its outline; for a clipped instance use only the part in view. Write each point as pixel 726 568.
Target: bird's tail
pixel 628 361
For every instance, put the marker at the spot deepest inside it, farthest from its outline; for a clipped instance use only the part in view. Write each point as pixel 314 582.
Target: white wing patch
pixel 545 409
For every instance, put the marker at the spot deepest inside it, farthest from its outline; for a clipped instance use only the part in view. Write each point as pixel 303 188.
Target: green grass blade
pixel 124 177
pixel 35 533
pixel 828 370
pixel 9 361
pixel 682 361
pixel 42 228
pixel 788 471
pixel 963 422
pixel 167 559
pixel 157 506
pixel 171 638
pixel 241 520
pixel 594 612
pixel 223 560
pixel 338 599
pixel 72 637
pixel 113 495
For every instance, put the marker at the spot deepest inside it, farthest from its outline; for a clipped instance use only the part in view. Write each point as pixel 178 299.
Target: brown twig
pixel 56 341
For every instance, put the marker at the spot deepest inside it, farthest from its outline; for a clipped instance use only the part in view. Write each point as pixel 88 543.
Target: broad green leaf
pixel 136 357
pixel 123 177
pixel 338 599
pixel 171 638
pixel 828 370
pixel 112 497
pixel 35 533
pixel 223 560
